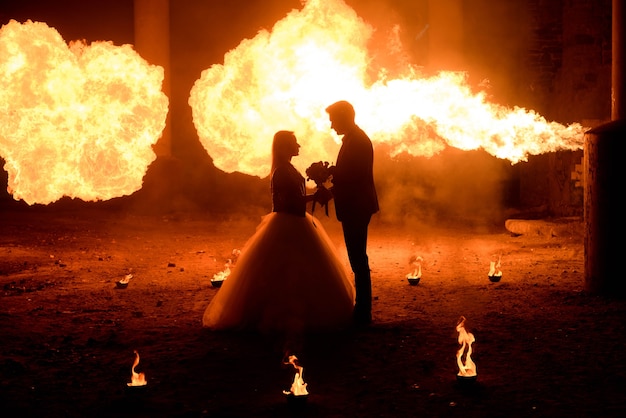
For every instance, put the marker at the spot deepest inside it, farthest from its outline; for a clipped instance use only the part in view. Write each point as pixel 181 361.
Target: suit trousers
pixel 355 236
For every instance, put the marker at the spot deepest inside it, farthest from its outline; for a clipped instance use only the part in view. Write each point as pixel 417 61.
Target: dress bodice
pixel 288 190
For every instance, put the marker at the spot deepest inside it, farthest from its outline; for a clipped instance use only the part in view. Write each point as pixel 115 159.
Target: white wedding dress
pixel 287 279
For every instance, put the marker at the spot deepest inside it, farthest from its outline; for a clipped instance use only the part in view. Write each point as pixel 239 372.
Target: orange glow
pixel 76 120
pixel 466 339
pixel 137 379
pixel 284 79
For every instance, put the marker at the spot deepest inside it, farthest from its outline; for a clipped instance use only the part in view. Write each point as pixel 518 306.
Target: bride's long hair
pixel 279 147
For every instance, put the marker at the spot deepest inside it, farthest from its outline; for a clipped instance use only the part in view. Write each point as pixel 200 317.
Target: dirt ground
pixel 543 346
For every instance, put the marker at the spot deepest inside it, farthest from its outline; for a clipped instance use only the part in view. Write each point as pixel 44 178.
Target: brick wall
pixel 569 79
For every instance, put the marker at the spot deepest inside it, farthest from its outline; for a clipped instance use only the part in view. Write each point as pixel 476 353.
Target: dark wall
pixel 569 60
pixel 201 33
pixel 93 20
pixel 569 75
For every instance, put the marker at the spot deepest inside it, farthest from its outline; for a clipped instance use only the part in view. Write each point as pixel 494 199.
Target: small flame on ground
pixel 223 275
pixel 417 273
pixel 494 268
pixel 126 279
pixel 467 368
pixel 137 379
pixel 298 387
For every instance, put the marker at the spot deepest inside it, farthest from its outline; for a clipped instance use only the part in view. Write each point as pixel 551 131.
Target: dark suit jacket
pixel 353 178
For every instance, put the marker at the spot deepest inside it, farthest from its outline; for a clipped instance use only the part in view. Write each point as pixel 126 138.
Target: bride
pixel 288 277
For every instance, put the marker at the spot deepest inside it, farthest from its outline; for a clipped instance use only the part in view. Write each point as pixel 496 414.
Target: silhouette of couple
pixel 289 277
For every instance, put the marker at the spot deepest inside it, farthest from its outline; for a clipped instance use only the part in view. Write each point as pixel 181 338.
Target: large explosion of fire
pixel 80 120
pixel 76 120
pixel 285 78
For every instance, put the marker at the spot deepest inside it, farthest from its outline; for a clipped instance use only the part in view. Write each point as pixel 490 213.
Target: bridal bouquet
pixel 320 172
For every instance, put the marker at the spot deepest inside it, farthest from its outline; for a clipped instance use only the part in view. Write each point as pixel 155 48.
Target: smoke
pixel 448 185
pixel 453 187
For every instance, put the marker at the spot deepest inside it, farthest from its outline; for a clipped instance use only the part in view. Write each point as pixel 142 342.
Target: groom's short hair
pixel 342 109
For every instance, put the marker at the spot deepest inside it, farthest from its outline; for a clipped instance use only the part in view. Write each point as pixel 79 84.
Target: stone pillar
pixel 605 206
pixel 152 42
pixel 605 148
pixel 618 47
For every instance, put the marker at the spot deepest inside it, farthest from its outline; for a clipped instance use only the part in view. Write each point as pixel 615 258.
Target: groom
pixel 355 200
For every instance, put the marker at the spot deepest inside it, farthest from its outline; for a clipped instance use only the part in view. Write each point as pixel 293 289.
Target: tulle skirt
pixel 288 278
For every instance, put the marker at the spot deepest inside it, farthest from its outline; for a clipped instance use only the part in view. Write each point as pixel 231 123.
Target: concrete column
pixel 152 42
pixel 605 148
pixel 618 44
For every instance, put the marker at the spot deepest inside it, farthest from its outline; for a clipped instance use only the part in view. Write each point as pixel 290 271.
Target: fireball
pixel 76 120
pixel 285 78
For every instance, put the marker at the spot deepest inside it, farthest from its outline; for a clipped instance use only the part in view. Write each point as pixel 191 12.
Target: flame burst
pixel 284 79
pixel 76 120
